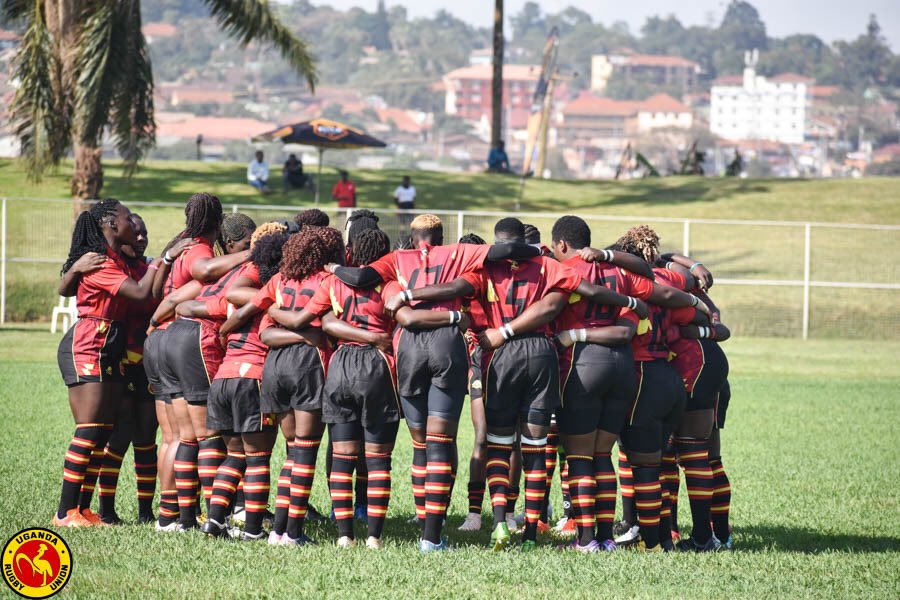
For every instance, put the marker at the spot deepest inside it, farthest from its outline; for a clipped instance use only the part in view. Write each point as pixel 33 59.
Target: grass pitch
pixel 810 446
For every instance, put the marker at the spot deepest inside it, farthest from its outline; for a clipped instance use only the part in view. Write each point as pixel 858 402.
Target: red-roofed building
pixel 196 93
pixel 155 31
pixel 589 116
pixel 172 127
pixel 468 90
pixel 652 68
pixel 8 39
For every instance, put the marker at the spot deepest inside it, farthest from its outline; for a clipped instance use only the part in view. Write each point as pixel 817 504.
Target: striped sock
pixel 583 489
pixel 551 456
pixel 210 455
pixel 648 502
pixel 476 496
pixel 341 487
pixel 93 468
pixel 721 499
pixel 665 516
pixel 379 492
pixel 257 481
pixel 228 477
pixel 534 466
pixel 360 482
pixel 168 507
pixel 419 472
pixel 145 476
pixel 698 477
pixel 497 475
pixel 438 480
pixel 670 481
pixel 626 486
pixel 283 492
pixel 109 480
pixel 78 457
pixel 302 474
pixel 512 498
pixel 564 483
pixel 605 498
pixel 187 481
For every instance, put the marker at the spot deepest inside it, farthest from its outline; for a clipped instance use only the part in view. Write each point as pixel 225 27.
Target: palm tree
pixel 84 68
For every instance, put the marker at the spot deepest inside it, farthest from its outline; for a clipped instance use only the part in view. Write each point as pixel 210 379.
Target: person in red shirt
pixel 360 403
pixel 294 371
pixel 521 379
pixel 91 351
pixel 344 191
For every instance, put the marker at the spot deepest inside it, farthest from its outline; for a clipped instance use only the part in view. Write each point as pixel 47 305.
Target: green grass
pixel 810 447
pixel 38 230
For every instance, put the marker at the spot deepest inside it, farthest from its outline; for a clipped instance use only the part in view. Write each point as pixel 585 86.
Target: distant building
pixel 467 91
pixel 155 31
pixel 590 117
pixel 654 68
pixel 754 107
pixel 481 56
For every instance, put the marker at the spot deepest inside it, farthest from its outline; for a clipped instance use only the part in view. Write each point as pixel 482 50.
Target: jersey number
pixel 432 274
pixel 512 299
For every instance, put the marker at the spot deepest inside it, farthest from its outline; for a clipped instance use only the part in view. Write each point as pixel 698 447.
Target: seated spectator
pixel 344 191
pixel 258 173
pixel 497 160
pixel 293 175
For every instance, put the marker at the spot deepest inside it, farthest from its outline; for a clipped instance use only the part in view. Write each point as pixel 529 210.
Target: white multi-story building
pixel 754 107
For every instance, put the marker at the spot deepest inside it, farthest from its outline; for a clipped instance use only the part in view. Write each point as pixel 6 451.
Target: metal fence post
pixel 3 263
pixel 234 209
pixel 460 231
pixel 686 238
pixel 806 255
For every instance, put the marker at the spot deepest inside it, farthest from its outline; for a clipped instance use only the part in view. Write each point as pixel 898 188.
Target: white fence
pixel 784 278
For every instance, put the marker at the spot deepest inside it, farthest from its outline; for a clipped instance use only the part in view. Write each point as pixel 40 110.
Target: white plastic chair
pixel 65 309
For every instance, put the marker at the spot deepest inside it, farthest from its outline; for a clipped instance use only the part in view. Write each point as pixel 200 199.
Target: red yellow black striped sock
pixel 257 481
pixel 626 487
pixel 225 485
pixel 564 484
pixel 583 490
pixel 512 498
pixel 168 507
pixel 77 459
pixel 476 496
pixel 534 467
pixel 419 471
pixel 670 481
pixel 379 492
pixel 551 456
pixel 145 476
pixel 721 499
pixel 605 498
pixel 360 482
pixel 665 517
pixel 497 475
pixel 438 480
pixel 341 487
pixel 283 492
pixel 187 481
pixel 698 476
pixel 647 502
pixel 108 480
pixel 302 474
pixel 211 453
pixel 93 468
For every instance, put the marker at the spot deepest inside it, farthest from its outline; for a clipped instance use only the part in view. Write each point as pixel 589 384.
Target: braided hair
pixel 308 251
pixel 369 246
pixel 203 215
pixel 472 238
pixel 640 241
pixel 88 233
pixel 234 228
pixel 312 217
pixel 266 254
pixel 360 220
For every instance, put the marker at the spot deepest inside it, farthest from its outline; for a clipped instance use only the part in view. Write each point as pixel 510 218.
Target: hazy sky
pixel 829 19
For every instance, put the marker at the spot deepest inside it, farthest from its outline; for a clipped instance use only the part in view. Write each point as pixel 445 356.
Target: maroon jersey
pixel 361 308
pixel 138 318
pixel 505 288
pixel 584 313
pixel 429 265
pixel 97 291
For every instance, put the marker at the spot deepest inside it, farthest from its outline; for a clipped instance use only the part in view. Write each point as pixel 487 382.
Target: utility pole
pixel 497 77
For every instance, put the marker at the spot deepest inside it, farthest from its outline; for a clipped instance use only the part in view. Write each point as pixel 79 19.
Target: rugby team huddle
pixel 240 331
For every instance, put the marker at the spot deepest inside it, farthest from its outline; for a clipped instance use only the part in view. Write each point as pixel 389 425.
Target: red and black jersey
pixel 655 342
pixel 687 356
pixel 361 308
pixel 584 313
pixel 137 318
pixel 287 294
pixel 180 272
pixel 429 265
pixel 505 288
pixel 97 294
pixel 672 279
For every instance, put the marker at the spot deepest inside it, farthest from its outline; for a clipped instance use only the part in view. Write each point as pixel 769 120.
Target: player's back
pixel 430 265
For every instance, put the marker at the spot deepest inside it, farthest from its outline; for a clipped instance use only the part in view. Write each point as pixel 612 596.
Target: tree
pixel 84 69
pixel 381 30
pixel 865 61
pixel 497 77
pixel 741 29
pixel 528 19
